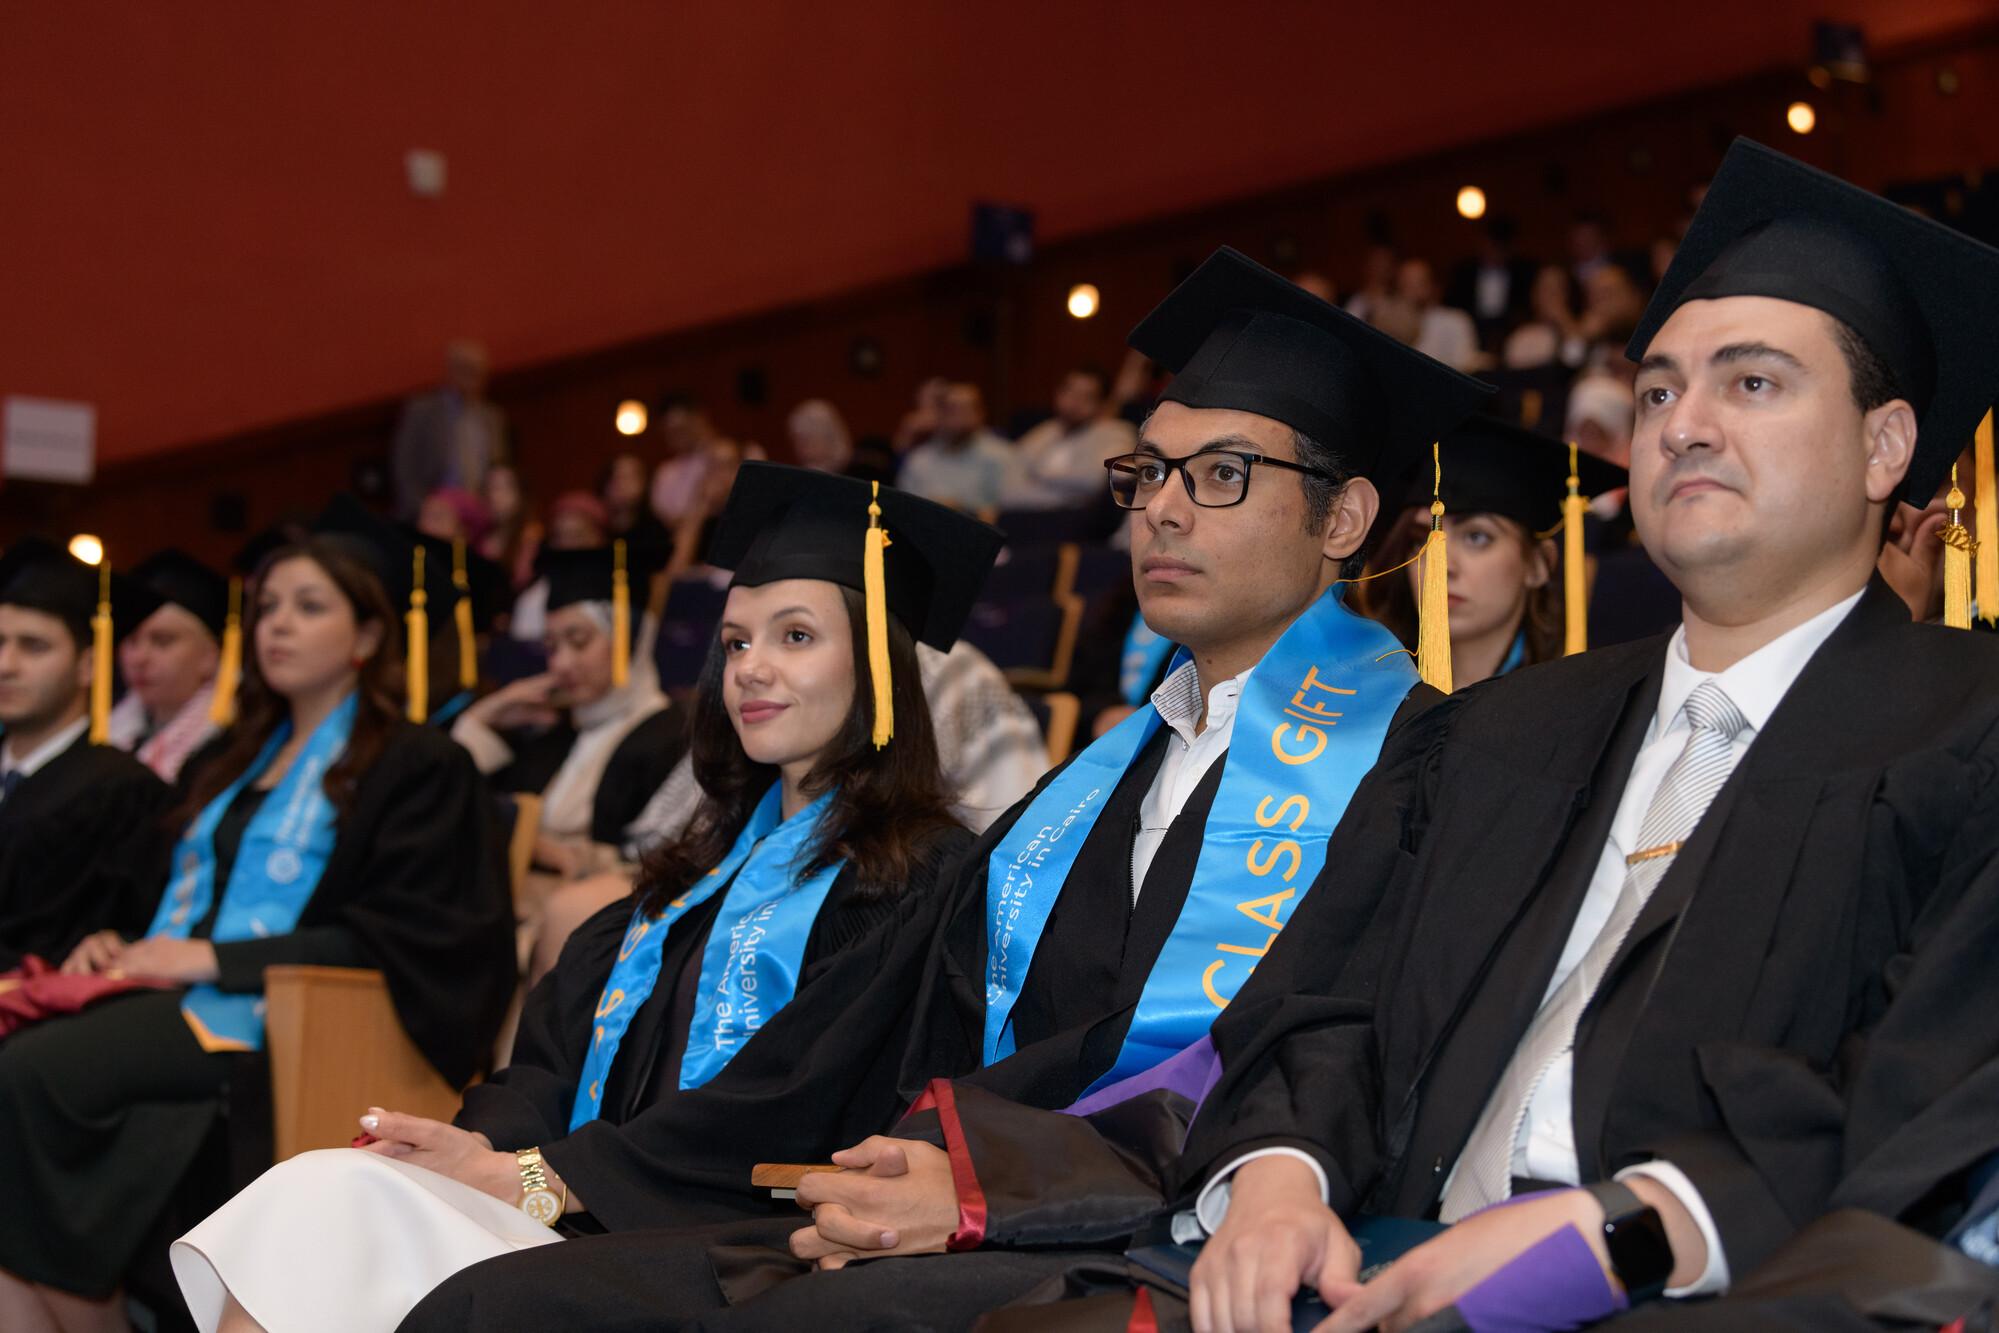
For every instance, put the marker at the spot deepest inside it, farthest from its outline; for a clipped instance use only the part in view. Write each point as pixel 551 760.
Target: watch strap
pixel 1635 1238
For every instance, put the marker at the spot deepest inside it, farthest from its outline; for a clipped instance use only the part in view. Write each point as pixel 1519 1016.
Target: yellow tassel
pixel 1433 607
pixel 461 612
pixel 874 582
pixel 416 652
pixel 621 617
pixel 1575 595
pixel 1985 513
pixel 1957 551
pixel 229 667
pixel 100 658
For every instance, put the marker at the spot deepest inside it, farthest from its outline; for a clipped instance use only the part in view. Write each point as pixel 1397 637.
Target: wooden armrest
pixel 786 1175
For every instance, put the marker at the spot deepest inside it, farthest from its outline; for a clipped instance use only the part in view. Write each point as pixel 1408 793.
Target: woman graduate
pixel 326 829
pixel 1503 489
pixel 746 1007
pixel 592 735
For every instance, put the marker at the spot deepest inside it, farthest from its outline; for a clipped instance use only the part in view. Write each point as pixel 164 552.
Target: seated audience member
pixel 1696 933
pixel 1552 333
pixel 326 830
pixel 962 463
pixel 820 439
pixel 170 661
pixel 695 529
pixel 1060 463
pixel 737 1008
pixel 1492 287
pixel 592 735
pixel 514 539
pixel 79 849
pixel 454 515
pixel 622 488
pixel 577 521
pixel 1065 964
pixel 449 436
pixel 1377 281
pixel 1502 491
pixel 919 423
pixel 1444 334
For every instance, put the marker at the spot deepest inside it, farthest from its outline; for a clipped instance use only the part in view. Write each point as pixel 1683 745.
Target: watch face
pixel 1639 1251
pixel 542 1206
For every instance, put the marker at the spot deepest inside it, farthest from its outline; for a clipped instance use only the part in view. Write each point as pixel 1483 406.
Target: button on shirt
pixel 1546 1147
pixel 21 769
pixel 1189 755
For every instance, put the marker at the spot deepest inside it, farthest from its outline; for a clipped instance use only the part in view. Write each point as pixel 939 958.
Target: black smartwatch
pixel 1633 1232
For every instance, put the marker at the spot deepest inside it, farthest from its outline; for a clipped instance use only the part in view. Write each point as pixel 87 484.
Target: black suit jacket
pixel 1809 985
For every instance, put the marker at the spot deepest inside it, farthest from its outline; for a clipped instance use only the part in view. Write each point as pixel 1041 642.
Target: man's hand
pixel 94 953
pixel 168 959
pixel 1912 557
pixel 524 703
pixel 1277 1236
pixel 895 1196
pixel 467 1157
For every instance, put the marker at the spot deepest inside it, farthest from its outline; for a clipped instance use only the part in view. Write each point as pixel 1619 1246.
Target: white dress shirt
pixel 1546 1146
pixel 1189 756
pixel 42 754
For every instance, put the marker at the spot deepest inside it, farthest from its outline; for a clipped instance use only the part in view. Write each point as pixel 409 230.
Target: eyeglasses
pixel 1215 478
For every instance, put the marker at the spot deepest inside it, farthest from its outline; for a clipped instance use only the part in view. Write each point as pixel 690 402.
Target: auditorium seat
pixel 1028 617
pixel 686 628
pixel 1057 713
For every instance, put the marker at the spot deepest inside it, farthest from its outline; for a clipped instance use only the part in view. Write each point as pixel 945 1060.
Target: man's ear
pixel 1353 514
pixel 1890 432
pixel 86 657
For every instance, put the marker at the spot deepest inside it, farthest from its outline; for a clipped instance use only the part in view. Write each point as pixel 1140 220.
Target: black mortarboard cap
pixel 41 577
pixel 588 574
pixel 1918 293
pixel 1239 336
pixel 794 523
pixel 177 577
pixel 1495 467
pixel 383 545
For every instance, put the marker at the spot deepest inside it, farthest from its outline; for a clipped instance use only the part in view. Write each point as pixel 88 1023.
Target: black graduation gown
pixel 819 1075
pixel 114 1105
pixel 1070 1021
pixel 82 848
pixel 635 770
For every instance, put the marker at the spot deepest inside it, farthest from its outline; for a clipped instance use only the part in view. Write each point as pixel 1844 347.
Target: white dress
pixel 342 1240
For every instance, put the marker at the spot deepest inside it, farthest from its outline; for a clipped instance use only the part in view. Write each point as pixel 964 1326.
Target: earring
pixel 359 661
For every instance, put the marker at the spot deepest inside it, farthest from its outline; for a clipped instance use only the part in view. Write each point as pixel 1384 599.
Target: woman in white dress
pixel 744 1006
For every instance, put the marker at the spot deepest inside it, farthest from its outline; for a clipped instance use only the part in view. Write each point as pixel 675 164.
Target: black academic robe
pixel 1801 1015
pixel 636 769
pixel 82 848
pixel 818 1076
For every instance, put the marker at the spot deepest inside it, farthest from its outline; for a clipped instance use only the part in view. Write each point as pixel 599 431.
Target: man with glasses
pixel 1099 927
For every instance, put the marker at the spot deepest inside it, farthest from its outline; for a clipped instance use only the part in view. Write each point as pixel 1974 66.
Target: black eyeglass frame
pixel 1249 463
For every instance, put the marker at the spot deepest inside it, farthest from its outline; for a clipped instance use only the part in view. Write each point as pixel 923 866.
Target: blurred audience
pixel 962 463
pixel 515 536
pixel 1441 332
pixel 819 436
pixel 1060 463
pixel 450 436
pixel 1492 286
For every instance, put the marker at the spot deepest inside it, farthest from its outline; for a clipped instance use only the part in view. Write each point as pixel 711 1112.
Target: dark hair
pixel 1389 599
pixel 1321 492
pixel 886 803
pixel 260 709
pixel 1095 374
pixel 1872 381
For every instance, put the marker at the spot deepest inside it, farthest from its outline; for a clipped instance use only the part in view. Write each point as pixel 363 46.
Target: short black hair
pixel 1323 487
pixel 78 626
pixel 1873 382
pixel 1092 373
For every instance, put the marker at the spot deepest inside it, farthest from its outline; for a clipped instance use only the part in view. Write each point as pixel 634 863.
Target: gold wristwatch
pixel 538 1201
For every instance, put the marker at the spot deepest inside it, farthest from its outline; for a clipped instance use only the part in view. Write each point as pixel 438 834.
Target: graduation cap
pixel 1238 336
pixel 36 575
pixel 909 557
pixel 1495 467
pixel 177 578
pixel 1918 293
pixel 601 574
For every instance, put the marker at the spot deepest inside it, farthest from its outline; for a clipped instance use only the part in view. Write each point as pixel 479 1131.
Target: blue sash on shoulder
pixel 284 852
pixel 749 966
pixel 1308 727
pixel 1144 653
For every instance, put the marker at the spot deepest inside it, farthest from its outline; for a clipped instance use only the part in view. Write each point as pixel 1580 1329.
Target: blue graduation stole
pixel 447 712
pixel 1144 653
pixel 1515 656
pixel 1285 783
pixel 749 966
pixel 284 852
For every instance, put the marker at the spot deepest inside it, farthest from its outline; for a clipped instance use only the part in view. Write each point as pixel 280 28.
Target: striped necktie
pixel 1484 1173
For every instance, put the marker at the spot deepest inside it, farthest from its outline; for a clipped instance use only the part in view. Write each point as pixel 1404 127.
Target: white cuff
pixel 489 753
pixel 1212 1205
pixel 1714 1279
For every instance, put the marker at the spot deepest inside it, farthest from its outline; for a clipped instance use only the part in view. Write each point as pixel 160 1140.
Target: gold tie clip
pixel 1652 853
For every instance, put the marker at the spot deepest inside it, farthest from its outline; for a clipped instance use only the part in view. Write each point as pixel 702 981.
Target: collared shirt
pixel 1546 1149
pixel 41 756
pixel 1189 756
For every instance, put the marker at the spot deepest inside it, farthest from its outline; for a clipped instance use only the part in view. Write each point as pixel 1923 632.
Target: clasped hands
pixel 158 957
pixel 891 1197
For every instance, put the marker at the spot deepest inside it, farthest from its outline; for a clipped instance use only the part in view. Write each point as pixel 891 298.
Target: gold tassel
pixel 1575 595
pixel 1433 607
pixel 621 617
pixel 416 652
pixel 100 658
pixel 874 583
pixel 229 667
pixel 1957 551
pixel 1985 513
pixel 461 612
